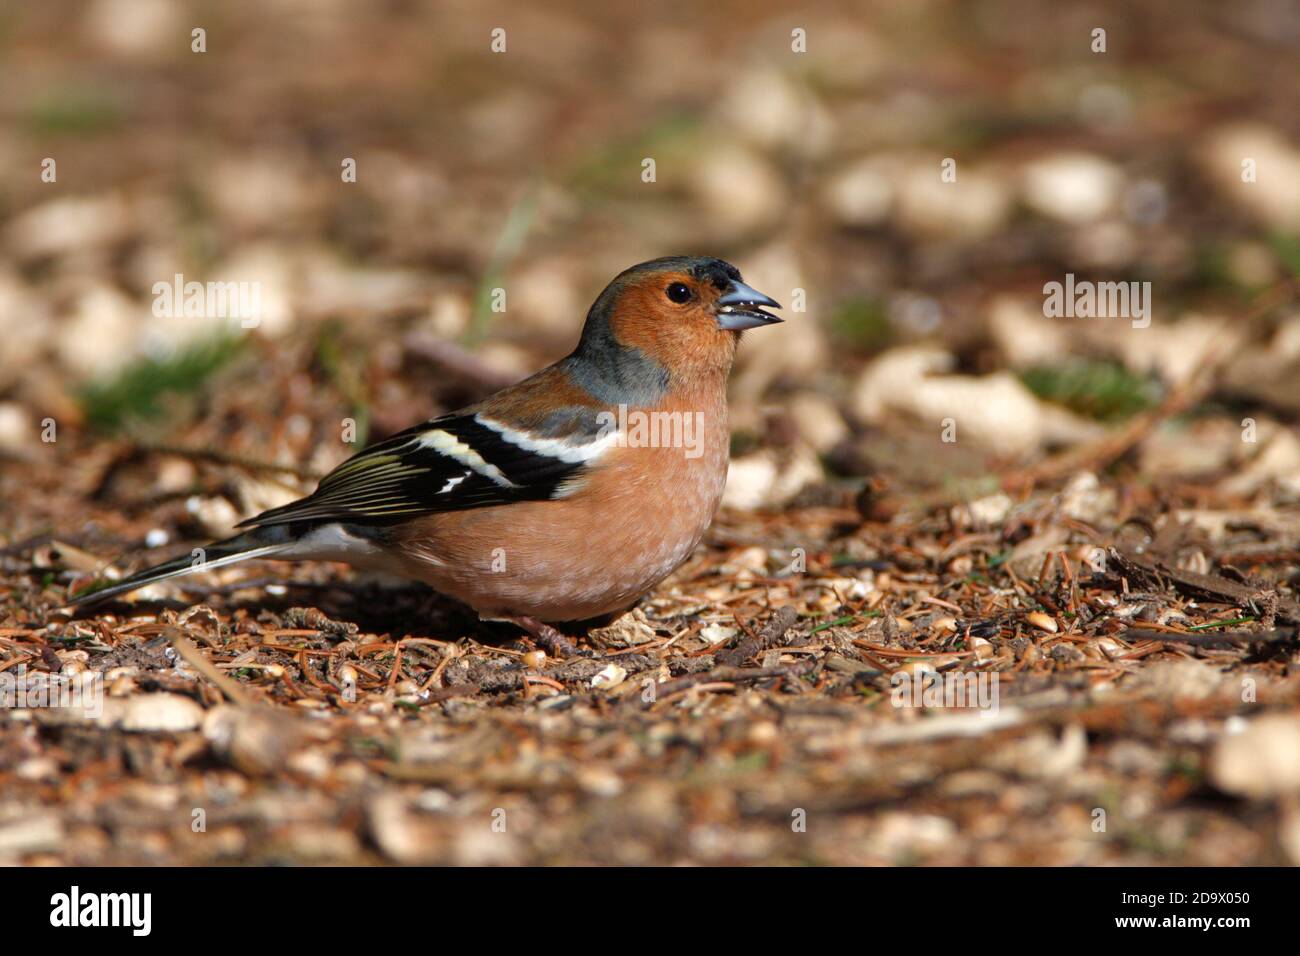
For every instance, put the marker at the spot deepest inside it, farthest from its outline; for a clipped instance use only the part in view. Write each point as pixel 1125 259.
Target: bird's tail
pixel 256 543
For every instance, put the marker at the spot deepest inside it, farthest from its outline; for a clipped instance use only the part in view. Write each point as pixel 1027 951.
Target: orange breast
pixel 632 521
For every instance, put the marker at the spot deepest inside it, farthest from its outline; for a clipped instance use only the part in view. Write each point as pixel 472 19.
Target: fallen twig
pixel 730 675
pixel 187 649
pixel 1222 640
pixel 773 631
pixel 1214 587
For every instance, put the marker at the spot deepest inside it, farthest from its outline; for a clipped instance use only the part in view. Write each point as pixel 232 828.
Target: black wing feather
pixel 401 477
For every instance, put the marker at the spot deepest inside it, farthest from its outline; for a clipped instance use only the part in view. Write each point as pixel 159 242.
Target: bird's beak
pixel 740 308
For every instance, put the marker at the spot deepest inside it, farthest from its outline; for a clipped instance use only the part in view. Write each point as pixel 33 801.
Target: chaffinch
pixel 566 496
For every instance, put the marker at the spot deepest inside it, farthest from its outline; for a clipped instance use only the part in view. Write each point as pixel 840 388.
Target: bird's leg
pixel 550 639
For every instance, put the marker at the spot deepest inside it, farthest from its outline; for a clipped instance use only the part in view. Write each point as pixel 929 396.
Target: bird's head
pixel 684 313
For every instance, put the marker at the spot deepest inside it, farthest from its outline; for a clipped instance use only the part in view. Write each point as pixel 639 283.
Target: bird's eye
pixel 679 292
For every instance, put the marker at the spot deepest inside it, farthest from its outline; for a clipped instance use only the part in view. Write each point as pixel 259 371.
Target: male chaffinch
pixel 566 496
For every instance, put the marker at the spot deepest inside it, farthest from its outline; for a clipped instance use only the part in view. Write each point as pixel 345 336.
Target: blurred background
pixel 1114 156
pixel 905 178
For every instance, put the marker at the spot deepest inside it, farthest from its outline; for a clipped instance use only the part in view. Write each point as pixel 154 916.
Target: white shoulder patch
pixel 445 443
pixel 568 450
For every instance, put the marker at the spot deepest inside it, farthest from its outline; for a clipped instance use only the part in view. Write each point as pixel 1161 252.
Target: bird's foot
pixel 550 639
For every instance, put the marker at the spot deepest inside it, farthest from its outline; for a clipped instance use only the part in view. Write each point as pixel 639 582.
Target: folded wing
pixel 459 461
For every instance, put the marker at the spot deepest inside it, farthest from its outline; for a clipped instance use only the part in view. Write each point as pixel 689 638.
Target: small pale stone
pixel 861 195
pixel 122 687
pixel 739 189
pixel 599 781
pixel 987 512
pixel 629 630
pixel 1288 833
pixel 1043 622
pixel 37 768
pixel 1072 187
pixel 611 676
pixel 32 834
pixel 17 428
pixel 819 421
pixel 1262 761
pixel 311 763
pixel 167 713
pixel 251 739
pixel 717 633
pixel 763 732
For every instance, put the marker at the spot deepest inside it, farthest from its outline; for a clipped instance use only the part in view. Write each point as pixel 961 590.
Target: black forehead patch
pixel 720 273
pixel 704 268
